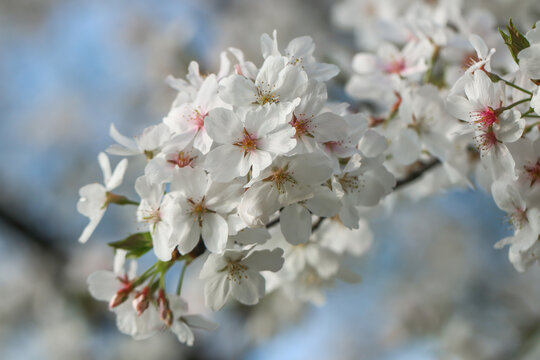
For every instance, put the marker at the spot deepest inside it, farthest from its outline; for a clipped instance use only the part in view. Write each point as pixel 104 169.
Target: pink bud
pixel 165 312
pixel 122 294
pixel 141 301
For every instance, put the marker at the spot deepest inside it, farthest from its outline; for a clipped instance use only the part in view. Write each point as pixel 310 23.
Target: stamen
pixel 485 118
pixel 198 118
pixel 248 143
pixel 301 125
pixel 533 172
pixel 182 160
pixel 486 141
pixel 279 177
pixel 236 272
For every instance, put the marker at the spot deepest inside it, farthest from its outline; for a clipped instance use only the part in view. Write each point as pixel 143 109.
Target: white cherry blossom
pixel 236 274
pixel 249 141
pixel 94 198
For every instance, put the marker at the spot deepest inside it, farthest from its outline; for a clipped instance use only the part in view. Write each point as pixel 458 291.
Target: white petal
pixel 126 142
pixel 105 165
pixel 324 202
pixel 313 168
pixel 295 223
pixel 216 292
pixel 248 290
pixel 364 63
pixel 117 176
pixel 103 285
pixel 161 236
pixel 279 142
pixel 237 90
pixel 199 322
pixel 189 238
pixel 226 162
pixel 223 126
pixel 192 182
pixel 265 260
pixel 215 232
pixel 89 229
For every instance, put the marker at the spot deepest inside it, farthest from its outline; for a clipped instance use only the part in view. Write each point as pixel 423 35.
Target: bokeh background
pixel 433 288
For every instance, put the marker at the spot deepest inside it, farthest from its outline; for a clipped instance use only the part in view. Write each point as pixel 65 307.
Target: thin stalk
pixel 515 86
pixel 181 280
pixel 504 108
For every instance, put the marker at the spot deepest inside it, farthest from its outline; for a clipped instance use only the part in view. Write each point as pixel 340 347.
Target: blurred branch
pixel 416 173
pixel 32 234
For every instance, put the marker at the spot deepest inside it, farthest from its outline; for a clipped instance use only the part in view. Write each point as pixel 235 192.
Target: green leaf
pixel 515 40
pixel 136 245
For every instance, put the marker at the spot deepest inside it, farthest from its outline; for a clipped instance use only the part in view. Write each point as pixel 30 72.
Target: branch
pixel 44 242
pixel 413 175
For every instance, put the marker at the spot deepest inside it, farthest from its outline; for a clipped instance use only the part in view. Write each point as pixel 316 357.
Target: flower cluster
pixel 256 175
pixel 246 165
pixel 437 99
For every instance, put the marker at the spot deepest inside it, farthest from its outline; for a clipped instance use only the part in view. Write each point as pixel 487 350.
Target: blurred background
pixel 433 288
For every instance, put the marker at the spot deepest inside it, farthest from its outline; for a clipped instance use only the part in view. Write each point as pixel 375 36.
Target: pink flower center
pixel 248 142
pixel 181 160
pixel 198 119
pixel 331 145
pixel 486 140
pixel 533 171
pixel 395 67
pixel 302 126
pixel 485 118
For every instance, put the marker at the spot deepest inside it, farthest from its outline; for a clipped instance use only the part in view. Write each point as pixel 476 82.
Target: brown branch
pixel 413 175
pixel 30 232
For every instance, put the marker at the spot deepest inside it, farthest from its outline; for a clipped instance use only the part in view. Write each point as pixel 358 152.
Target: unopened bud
pixel 141 301
pixel 120 296
pixel 165 312
pixel 116 199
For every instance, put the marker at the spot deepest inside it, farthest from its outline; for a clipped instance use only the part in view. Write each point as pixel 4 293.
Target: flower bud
pixel 165 312
pixel 118 298
pixel 122 294
pixel 141 301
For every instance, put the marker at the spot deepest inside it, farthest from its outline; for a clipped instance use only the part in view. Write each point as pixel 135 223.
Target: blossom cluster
pixel 246 165
pixel 258 176
pixel 437 98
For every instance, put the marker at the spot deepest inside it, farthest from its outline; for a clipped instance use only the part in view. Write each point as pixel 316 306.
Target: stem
pixel 146 274
pixel 181 280
pixel 162 279
pixel 504 108
pixel 494 77
pixel 515 86
pixel 528 128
